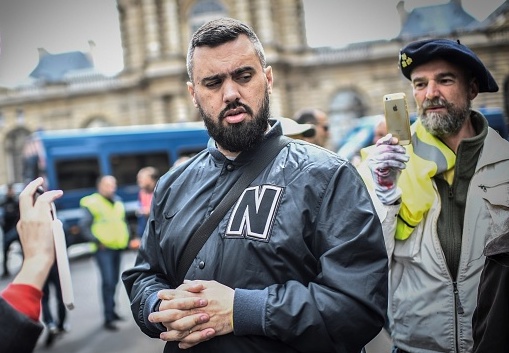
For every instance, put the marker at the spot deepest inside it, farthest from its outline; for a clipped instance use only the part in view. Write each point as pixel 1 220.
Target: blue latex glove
pixel 386 161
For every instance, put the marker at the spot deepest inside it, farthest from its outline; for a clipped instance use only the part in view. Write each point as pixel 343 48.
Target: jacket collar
pixel 495 148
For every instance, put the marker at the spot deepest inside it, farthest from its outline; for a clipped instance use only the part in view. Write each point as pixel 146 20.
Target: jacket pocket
pixel 496 193
pixel 410 247
pixel 496 196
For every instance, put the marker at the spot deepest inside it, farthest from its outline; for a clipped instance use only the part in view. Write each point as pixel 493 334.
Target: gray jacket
pixel 430 313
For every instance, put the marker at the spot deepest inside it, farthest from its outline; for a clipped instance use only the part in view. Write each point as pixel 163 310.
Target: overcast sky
pixel 68 25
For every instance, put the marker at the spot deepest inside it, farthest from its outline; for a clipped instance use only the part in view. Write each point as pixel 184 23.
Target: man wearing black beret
pixel 441 199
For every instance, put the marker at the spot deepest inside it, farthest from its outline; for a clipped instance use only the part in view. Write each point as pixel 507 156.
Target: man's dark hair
pixel 218 32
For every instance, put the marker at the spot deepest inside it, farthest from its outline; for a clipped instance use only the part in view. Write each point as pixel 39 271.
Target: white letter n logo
pixel 253 214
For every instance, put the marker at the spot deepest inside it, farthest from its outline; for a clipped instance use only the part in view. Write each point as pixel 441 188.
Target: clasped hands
pixel 195 312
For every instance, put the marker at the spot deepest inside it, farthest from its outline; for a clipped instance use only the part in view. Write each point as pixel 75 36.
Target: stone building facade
pixel 347 83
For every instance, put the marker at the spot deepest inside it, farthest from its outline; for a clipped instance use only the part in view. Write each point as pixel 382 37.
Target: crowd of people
pixel 315 254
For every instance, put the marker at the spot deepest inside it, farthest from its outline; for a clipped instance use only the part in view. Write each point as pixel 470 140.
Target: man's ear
pixel 190 89
pixel 473 88
pixel 270 78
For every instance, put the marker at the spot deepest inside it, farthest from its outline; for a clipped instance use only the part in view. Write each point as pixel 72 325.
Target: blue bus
pixel 72 160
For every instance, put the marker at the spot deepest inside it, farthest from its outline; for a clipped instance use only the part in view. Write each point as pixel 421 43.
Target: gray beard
pixel 448 124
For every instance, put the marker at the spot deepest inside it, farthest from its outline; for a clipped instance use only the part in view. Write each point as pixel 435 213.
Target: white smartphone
pixel 396 117
pixel 64 271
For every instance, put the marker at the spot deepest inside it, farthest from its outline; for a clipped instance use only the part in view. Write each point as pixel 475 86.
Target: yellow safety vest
pixel 109 225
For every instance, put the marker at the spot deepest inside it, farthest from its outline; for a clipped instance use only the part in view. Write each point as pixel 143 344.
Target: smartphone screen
pixel 396 117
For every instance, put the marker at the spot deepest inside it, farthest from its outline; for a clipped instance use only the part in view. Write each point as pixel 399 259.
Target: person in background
pixel 104 223
pixel 320 120
pixel 146 178
pixel 55 327
pixel 443 199
pixel 10 219
pixel 298 264
pixel 20 302
pixel 491 316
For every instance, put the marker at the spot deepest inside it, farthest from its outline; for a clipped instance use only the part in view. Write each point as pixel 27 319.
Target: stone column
pixel 263 17
pixel 291 24
pixel 134 52
pixel 157 109
pixel 181 106
pixel 241 11
pixel 172 27
pixel 152 44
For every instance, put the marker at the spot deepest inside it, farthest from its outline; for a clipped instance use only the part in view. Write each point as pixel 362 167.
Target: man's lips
pixel 435 107
pixel 234 116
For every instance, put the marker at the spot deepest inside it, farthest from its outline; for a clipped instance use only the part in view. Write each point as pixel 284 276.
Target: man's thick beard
pixel 447 124
pixel 242 136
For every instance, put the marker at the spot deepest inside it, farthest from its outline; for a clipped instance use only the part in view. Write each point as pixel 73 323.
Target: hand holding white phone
pixel 64 271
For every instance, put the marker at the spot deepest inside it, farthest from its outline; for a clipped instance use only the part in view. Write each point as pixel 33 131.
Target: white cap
pixel 291 127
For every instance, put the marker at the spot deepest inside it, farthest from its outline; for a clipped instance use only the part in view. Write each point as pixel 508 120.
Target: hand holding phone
pixel 64 271
pixel 396 117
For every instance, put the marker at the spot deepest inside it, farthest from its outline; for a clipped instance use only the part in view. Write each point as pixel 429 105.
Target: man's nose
pixel 230 91
pixel 432 90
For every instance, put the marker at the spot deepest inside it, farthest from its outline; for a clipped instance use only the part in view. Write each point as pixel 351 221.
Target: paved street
pixel 87 334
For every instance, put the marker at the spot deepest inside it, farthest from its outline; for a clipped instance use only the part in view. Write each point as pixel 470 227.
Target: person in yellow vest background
pixel 104 223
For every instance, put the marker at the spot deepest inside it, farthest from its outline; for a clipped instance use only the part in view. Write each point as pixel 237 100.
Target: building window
pixel 346 107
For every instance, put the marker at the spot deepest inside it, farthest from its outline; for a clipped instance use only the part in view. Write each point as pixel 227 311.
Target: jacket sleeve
pixel 19 333
pixel 144 280
pixel 344 307
pixel 490 319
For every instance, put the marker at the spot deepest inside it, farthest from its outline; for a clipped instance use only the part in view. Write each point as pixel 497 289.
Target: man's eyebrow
pixel 447 74
pixel 241 70
pixel 222 76
pixel 213 77
pixel 439 75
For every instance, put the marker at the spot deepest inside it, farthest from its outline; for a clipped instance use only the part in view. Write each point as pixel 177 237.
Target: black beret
pixel 420 52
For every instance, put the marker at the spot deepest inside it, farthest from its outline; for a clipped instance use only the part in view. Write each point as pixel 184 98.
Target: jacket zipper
pixel 457 301
pixel 459 311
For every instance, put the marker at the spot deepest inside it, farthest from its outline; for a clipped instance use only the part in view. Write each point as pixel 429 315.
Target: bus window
pixel 124 167
pixel 77 173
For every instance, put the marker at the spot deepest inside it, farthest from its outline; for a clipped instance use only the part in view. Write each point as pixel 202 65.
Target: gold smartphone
pixel 396 117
